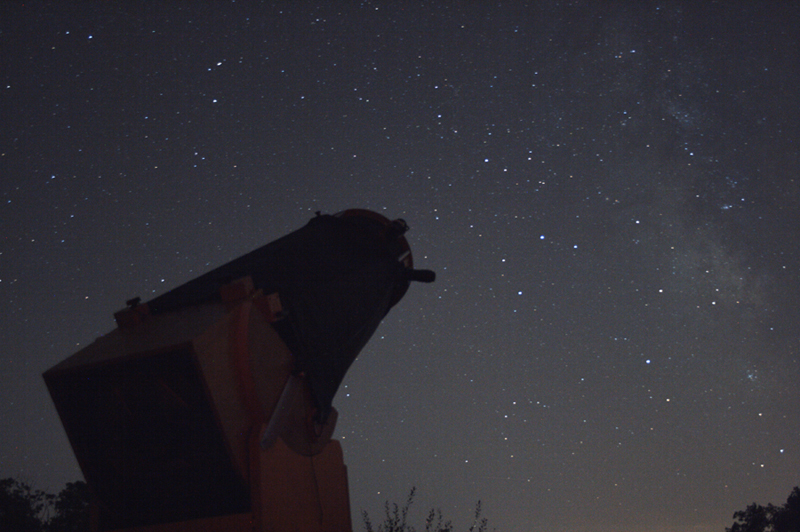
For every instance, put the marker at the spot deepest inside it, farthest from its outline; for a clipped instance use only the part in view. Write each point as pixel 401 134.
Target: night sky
pixel 609 193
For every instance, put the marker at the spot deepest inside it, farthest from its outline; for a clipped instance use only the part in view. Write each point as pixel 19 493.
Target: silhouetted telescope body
pixel 336 279
pixel 163 411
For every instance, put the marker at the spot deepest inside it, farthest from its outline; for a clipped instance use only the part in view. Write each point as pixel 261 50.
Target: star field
pixel 607 191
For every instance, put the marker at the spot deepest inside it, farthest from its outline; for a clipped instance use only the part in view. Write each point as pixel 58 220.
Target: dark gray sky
pixel 608 192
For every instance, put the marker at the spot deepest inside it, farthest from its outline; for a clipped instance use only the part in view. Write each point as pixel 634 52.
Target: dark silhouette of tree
pixel 71 509
pixel 787 519
pixel 769 518
pixel 22 508
pixel 395 519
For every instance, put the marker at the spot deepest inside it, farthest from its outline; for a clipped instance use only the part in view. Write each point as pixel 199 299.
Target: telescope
pixel 210 405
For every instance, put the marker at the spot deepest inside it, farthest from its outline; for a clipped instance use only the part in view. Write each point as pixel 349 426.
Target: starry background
pixel 608 192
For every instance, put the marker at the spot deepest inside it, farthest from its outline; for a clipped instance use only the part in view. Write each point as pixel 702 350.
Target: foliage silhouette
pixel 24 509
pixel 71 509
pixel 769 518
pixel 396 519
